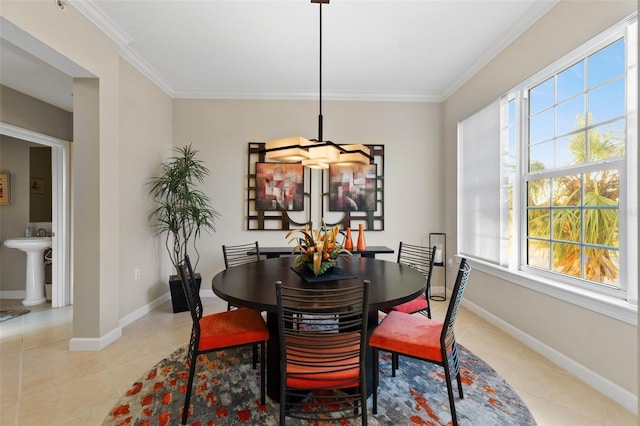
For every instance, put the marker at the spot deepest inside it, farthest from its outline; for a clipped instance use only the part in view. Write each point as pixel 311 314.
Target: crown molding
pixel 536 11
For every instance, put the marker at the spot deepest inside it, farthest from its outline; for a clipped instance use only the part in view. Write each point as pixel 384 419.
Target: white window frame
pixel 511 266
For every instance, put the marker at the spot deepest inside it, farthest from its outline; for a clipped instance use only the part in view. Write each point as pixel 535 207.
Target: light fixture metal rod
pixel 320 78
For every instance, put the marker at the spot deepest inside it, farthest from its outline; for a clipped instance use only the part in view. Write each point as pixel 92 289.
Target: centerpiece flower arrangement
pixel 318 249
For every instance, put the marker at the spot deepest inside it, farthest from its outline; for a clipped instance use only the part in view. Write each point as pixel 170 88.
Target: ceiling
pixel 395 50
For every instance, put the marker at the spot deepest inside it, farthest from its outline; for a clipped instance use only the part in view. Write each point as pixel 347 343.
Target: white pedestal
pixel 34 247
pixel 35 277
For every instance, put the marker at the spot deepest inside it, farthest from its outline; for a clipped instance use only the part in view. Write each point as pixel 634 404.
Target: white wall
pixel 604 349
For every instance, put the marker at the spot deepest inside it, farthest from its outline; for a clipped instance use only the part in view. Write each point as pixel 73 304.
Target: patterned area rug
pixel 227 392
pixel 7 314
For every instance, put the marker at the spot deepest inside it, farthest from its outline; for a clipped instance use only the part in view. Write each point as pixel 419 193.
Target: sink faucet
pixel 42 232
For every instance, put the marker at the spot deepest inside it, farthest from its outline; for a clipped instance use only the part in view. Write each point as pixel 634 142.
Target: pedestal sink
pixel 34 247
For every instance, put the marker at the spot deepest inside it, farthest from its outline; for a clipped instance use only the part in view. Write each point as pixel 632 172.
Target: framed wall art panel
pixel 5 189
pixel 278 194
pixel 354 194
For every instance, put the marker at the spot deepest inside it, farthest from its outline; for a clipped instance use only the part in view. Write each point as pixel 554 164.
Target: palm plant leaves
pixel 182 211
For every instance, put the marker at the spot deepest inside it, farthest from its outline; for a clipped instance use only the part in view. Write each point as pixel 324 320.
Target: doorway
pixel 62 285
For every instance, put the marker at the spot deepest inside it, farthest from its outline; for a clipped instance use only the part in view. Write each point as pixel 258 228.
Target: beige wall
pixel 22 111
pixel 95 161
pixel 145 141
pixel 411 133
pixel 601 344
pixel 14 159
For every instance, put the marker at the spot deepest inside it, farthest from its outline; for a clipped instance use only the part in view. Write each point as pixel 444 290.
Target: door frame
pixel 60 207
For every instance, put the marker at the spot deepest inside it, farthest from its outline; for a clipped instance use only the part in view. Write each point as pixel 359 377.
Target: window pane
pixel 601 227
pixel 538 253
pixel 571 81
pixel 566 225
pixel 570 150
pixel 539 192
pixel 570 116
pixel 538 223
pixel 602 188
pixel 606 63
pixel 567 191
pixel 512 141
pixel 541 126
pixel 566 259
pixel 512 112
pixel 602 266
pixel 606 102
pixel 607 141
pixel 541 96
pixel 541 156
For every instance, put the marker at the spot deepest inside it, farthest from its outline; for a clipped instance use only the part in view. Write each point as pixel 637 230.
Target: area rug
pixel 7 314
pixel 227 392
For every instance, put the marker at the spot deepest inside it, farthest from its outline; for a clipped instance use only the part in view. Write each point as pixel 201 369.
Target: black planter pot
pixel 178 298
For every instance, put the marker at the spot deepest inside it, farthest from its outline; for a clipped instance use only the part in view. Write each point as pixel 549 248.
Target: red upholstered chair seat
pixel 416 305
pixel 231 328
pixel 413 335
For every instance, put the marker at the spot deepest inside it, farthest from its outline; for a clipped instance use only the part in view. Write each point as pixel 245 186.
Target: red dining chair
pixel 223 330
pixel 420 258
pixel 320 353
pixel 423 338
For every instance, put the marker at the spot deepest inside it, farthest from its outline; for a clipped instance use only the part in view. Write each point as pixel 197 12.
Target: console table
pixel 370 252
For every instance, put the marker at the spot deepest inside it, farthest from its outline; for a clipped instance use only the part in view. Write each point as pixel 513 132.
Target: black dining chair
pixel 240 254
pixel 420 258
pixel 423 338
pixel 219 331
pixel 323 338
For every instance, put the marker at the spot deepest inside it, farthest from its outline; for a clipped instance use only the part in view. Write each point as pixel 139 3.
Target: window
pixel 575 134
pixel 548 174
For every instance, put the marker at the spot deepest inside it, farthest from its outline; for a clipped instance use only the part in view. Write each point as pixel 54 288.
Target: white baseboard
pixel 144 310
pixel 13 294
pixel 95 344
pixel 601 384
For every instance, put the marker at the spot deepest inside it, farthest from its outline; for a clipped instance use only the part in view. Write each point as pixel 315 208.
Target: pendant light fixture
pixel 316 153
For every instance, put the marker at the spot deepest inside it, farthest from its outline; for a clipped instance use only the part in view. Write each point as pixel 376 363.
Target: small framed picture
pixel 279 186
pixel 5 189
pixel 37 186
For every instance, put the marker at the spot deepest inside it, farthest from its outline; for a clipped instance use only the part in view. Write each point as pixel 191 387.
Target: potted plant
pixel 182 212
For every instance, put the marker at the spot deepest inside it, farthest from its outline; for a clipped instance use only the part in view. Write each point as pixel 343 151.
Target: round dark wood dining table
pixel 252 285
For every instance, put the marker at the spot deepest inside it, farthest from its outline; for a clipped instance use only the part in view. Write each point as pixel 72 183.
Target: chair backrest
pixel 191 290
pixel 420 258
pixel 240 254
pixel 447 339
pixel 323 325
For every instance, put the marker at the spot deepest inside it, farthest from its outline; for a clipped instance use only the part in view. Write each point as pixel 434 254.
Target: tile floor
pixel 42 383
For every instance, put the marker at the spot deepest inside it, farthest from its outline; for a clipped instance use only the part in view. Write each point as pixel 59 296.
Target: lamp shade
pixel 288 150
pixel 354 154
